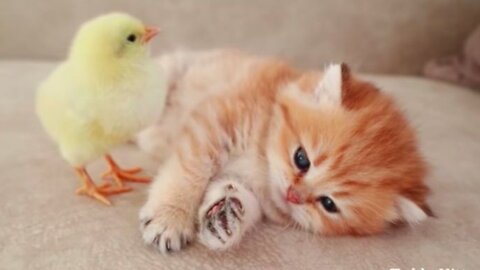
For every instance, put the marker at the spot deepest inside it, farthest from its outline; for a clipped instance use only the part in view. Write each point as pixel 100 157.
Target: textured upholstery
pixel 44 226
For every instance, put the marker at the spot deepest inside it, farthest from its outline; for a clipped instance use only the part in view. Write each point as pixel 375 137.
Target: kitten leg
pixel 168 217
pixel 228 211
pixel 202 149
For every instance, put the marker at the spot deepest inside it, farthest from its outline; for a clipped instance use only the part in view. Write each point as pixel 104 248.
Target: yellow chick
pixel 107 90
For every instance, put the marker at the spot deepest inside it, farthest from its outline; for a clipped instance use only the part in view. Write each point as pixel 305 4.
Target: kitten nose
pixel 293 196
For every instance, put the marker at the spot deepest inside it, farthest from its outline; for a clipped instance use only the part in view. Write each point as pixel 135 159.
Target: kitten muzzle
pixel 293 196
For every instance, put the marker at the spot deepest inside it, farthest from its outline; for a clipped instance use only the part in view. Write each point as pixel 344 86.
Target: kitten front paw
pixel 166 227
pixel 226 214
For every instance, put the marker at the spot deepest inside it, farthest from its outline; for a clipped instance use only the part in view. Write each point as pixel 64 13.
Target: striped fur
pixel 235 116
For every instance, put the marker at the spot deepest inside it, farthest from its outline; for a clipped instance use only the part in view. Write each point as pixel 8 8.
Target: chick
pixel 107 90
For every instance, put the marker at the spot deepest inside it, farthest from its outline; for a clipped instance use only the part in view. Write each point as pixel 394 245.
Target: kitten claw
pixel 156 240
pixel 168 229
pixel 184 241
pixel 168 245
pixel 238 204
pixel 214 231
pixel 146 222
pixel 236 215
pixel 227 212
pixel 223 217
pixel 230 187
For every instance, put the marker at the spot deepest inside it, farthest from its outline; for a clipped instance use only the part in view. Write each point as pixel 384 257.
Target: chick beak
pixel 150 32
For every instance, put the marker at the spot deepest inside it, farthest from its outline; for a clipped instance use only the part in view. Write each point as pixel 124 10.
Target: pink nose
pixel 293 196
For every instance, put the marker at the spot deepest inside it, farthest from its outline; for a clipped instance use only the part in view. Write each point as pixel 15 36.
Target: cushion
pixel 43 225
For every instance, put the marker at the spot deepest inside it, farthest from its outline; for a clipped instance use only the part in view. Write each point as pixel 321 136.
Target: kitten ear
pixel 329 89
pixel 410 211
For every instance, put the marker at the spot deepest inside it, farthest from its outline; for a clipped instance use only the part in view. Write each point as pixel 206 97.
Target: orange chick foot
pixel 98 193
pixel 120 175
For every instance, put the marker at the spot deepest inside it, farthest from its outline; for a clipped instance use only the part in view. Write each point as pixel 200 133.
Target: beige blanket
pixel 44 226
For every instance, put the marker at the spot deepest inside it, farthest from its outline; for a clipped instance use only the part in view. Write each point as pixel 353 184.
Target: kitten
pixel 245 137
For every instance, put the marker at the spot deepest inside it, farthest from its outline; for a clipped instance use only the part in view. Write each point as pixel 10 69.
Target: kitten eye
pixel 301 159
pixel 328 204
pixel 131 38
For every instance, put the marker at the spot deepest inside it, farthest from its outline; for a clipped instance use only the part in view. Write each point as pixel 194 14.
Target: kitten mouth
pixel 278 191
pixel 280 200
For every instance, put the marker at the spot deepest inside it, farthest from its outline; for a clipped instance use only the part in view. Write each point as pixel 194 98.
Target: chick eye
pixel 301 159
pixel 328 204
pixel 132 38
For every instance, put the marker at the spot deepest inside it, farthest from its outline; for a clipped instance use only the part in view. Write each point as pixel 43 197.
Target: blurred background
pixel 375 36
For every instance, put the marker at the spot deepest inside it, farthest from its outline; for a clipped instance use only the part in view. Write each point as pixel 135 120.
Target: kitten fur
pixel 232 125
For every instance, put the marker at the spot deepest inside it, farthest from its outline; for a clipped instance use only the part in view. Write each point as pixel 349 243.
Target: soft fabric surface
pixel 44 226
pixel 370 35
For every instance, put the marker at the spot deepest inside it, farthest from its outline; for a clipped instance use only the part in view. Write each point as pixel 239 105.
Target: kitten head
pixel 343 159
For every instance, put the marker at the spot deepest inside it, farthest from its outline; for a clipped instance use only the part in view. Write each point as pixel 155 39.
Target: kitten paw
pixel 165 227
pixel 224 216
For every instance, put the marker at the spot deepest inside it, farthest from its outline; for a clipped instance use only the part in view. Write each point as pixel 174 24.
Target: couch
pixel 43 225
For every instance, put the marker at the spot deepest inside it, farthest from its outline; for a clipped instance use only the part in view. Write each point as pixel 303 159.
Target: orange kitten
pixel 244 137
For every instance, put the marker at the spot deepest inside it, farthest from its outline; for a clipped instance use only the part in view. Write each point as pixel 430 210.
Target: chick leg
pixel 120 175
pixel 89 188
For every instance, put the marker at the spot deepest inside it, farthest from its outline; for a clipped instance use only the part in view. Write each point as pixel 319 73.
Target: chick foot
pixel 120 175
pixel 89 189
